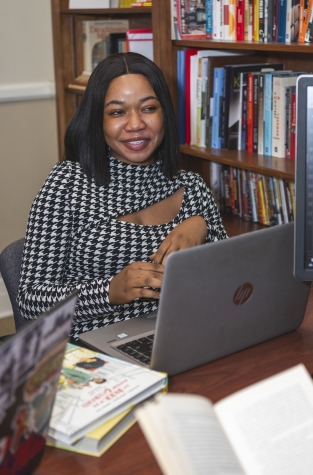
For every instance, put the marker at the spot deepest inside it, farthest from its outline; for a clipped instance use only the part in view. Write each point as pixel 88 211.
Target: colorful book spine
pixel 240 27
pixel 293 127
pixel 250 112
pixel 301 18
pixel 256 20
pixel 181 94
pixel 275 20
pixel 265 29
pixel 282 16
pixel 270 21
pixel 255 111
pixel 278 202
pixel 209 19
pixel 260 114
pixel 268 114
pixel 216 18
pixel 261 21
pixel 289 21
pixel 309 28
pixel 199 101
pixel 232 20
pixel 288 120
pixel 225 27
pixel 218 94
pixel 248 20
pixel 283 200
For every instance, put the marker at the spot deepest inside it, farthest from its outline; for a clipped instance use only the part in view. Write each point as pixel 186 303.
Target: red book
pixel 250 112
pixel 275 19
pixel 189 53
pixel 293 127
pixel 232 190
pixel 240 26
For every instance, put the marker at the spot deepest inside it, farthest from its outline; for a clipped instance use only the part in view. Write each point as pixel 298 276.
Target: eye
pixel 149 108
pixel 116 112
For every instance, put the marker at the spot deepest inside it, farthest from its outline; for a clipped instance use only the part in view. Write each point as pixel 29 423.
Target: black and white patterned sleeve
pixel 47 244
pixel 201 197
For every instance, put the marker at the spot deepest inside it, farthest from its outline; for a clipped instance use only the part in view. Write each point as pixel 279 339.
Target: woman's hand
pixel 191 232
pixel 131 282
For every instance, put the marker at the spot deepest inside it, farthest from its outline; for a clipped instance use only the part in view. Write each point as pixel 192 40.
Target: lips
pixel 138 144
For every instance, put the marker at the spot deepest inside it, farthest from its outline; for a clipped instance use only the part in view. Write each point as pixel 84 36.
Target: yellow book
pixel 99 440
pixel 256 20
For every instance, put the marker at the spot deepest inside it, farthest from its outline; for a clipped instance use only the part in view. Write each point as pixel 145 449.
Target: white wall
pixel 28 131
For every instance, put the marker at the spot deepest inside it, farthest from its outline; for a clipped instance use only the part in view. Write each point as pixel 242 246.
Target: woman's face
pixel 133 121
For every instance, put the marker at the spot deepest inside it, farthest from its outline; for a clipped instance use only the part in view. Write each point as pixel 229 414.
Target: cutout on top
pixel 159 213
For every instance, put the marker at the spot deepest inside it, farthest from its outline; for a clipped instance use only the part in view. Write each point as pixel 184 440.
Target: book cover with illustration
pixel 95 35
pixel 31 362
pixel 94 388
pixel 191 18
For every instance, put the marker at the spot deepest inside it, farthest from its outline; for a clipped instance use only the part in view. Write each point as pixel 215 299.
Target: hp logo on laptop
pixel 242 294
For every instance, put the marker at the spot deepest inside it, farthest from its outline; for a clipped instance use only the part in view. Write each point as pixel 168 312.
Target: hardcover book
pixel 95 34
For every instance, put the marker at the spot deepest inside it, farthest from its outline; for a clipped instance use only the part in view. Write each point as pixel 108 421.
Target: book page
pixel 186 437
pixel 270 424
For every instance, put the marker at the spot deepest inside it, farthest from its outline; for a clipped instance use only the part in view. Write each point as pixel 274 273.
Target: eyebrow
pixel 143 99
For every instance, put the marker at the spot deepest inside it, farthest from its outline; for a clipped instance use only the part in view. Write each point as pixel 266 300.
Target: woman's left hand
pixel 191 232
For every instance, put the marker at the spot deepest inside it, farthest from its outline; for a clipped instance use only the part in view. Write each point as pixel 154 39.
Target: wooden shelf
pixel 106 11
pixel 246 45
pixel 279 167
pixel 235 225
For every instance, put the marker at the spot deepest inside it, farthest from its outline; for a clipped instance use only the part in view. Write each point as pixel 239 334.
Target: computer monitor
pixel 303 251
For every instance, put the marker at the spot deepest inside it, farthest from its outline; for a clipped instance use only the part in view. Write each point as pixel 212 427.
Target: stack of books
pixel 95 400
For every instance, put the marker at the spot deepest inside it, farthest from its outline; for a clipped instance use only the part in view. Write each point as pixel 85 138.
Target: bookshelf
pixel 295 57
pixel 67 29
pixel 68 51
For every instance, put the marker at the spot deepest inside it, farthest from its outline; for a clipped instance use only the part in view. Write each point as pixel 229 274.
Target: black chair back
pixel 10 267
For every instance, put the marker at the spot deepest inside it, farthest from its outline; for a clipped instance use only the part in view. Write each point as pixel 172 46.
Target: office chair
pixel 10 266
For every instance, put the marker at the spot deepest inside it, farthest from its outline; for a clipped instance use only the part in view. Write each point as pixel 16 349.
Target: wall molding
pixel 27 91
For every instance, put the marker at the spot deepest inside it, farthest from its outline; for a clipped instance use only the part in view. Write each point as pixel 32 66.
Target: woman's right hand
pixel 132 282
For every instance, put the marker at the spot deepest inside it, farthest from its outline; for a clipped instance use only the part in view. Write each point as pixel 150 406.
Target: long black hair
pixel 84 137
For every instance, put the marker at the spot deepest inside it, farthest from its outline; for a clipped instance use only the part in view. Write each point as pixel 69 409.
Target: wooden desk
pixel 131 455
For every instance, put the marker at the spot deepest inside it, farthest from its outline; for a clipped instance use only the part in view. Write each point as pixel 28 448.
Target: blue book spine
pixel 209 18
pixel 181 103
pixel 282 19
pixel 267 130
pixel 218 85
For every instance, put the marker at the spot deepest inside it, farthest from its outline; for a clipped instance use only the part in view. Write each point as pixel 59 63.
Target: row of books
pixel 282 21
pixel 228 100
pixel 267 112
pixel 252 196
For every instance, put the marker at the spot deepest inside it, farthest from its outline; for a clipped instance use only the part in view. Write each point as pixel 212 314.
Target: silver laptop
pixel 216 299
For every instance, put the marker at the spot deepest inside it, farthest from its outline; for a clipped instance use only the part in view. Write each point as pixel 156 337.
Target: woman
pixel 108 216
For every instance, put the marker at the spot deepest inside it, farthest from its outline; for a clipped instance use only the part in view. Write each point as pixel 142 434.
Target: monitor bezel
pixel 300 269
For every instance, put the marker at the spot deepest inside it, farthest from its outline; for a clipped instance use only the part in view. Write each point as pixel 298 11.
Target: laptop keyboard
pixel 140 349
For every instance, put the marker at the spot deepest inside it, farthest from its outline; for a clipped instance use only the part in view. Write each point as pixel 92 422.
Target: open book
pixel 264 429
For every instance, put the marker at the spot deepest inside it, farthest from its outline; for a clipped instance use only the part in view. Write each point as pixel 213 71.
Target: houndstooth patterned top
pixel 74 241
